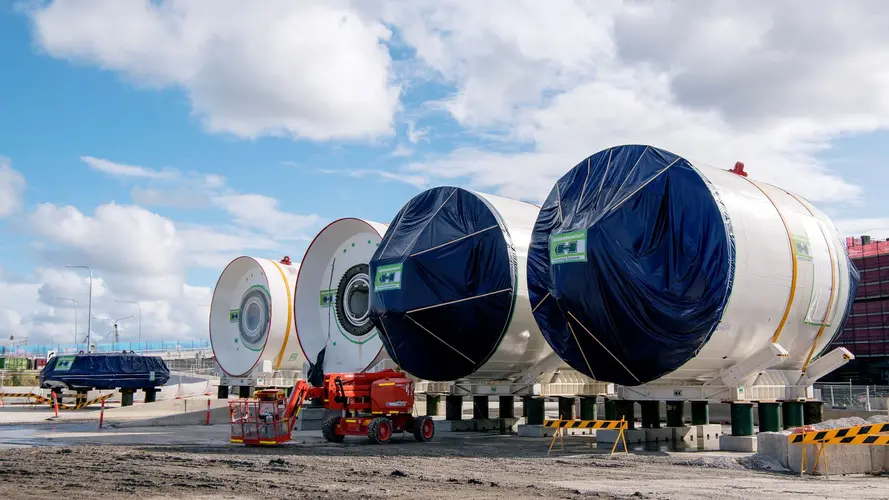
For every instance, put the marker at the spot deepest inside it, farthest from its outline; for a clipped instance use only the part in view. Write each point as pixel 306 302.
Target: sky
pixel 156 140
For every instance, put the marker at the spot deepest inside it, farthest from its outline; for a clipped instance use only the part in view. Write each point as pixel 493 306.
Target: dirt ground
pixel 452 466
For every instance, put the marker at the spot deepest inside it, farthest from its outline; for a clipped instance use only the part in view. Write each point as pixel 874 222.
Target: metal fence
pixel 855 397
pixel 164 345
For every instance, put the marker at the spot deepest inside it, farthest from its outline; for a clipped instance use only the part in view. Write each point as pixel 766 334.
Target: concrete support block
pixel 454 407
pixel 535 431
pixel 686 435
pixel 708 435
pixel 506 407
pixel 841 459
pixel 476 425
pixel 745 444
pixel 633 436
pixel 664 435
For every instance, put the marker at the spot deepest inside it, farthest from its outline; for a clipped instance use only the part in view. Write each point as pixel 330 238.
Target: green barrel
pixel 769 417
pixel 610 410
pixel 626 409
pixel 700 413
pixel 742 419
pixel 813 412
pixel 535 411
pixel 453 407
pixel 651 414
pixel 432 402
pixel 588 409
pixel 792 411
pixel 675 417
pixel 506 406
pixel 566 408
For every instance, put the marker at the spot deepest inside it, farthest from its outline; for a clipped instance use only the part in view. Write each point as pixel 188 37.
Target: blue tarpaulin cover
pixel 635 258
pixel 444 284
pixel 104 371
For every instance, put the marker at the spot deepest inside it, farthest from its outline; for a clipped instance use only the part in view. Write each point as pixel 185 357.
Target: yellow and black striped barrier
pixel 618 425
pixel 814 437
pixel 83 404
pixel 24 395
pixel 586 424
pixel 868 435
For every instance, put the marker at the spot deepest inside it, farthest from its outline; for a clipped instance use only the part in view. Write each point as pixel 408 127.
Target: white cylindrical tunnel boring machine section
pixel 449 293
pixel 251 318
pixel 645 266
pixel 332 297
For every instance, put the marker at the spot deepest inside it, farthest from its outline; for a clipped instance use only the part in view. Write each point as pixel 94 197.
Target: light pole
pixel 89 324
pixel 75 317
pixel 114 326
pixel 140 314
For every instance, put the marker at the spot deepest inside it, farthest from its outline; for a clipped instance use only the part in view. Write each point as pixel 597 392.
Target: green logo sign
pixel 64 363
pixel 328 298
pixel 388 278
pixel 567 247
pixel 294 357
pixel 802 247
pixel 234 316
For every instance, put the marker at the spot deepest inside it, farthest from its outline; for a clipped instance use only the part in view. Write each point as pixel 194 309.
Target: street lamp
pixel 114 325
pixel 75 316
pixel 89 325
pixel 140 314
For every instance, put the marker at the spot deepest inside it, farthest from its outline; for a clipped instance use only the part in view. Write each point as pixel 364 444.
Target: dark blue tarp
pixel 854 280
pixel 104 371
pixel 444 282
pixel 635 259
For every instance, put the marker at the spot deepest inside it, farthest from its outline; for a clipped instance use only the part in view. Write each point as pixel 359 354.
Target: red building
pixel 866 332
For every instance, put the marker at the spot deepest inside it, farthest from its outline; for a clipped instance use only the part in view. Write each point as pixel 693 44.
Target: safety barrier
pixel 867 434
pixel 38 399
pixel 618 425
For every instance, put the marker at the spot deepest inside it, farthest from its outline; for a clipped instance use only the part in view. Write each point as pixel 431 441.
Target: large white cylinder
pixel 449 292
pixel 251 319
pixel 331 299
pixel 645 266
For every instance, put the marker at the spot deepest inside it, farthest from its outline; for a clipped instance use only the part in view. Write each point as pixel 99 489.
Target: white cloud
pixel 413 179
pixel 414 134
pixel 12 187
pixel 262 212
pixel 768 84
pixel 316 70
pixel 875 227
pixel 38 309
pixel 122 170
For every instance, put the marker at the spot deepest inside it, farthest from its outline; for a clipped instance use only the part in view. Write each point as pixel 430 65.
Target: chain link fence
pixel 855 397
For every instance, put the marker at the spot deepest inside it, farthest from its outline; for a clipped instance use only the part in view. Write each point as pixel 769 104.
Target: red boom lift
pixel 375 405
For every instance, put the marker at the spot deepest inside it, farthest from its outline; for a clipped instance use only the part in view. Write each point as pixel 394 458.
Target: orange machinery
pixel 375 405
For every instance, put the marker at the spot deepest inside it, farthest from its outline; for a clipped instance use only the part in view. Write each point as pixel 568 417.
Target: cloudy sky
pixel 156 140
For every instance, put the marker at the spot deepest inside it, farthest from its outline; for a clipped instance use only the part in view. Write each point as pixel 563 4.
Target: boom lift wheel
pixel 380 430
pixel 328 430
pixel 424 429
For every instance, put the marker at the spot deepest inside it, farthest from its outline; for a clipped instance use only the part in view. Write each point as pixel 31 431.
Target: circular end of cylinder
pixel 240 316
pixel 331 301
pixel 444 284
pixel 630 265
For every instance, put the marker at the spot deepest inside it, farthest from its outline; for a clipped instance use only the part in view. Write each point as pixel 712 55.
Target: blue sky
pixel 410 96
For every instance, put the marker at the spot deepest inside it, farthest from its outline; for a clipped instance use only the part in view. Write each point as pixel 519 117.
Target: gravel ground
pixel 450 467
